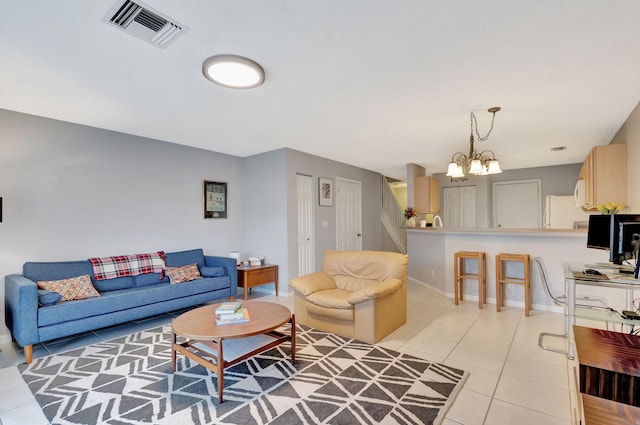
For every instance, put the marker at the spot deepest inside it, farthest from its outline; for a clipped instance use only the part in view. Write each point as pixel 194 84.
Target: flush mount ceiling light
pixel 478 163
pixel 232 71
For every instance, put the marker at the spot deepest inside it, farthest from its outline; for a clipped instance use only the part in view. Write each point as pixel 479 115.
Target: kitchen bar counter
pixel 537 232
pixel 431 259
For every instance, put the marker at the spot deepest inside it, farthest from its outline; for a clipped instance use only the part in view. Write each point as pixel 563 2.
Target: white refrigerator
pixel 561 212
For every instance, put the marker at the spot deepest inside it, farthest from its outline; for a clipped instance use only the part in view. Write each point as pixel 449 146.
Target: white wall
pixel 72 192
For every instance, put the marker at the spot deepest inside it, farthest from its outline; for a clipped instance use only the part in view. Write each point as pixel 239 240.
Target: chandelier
pixel 477 163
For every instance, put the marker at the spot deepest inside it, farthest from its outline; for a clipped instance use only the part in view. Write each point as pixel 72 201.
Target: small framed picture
pixel 325 192
pixel 215 199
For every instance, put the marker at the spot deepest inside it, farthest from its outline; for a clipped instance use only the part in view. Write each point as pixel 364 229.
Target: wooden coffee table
pixel 200 329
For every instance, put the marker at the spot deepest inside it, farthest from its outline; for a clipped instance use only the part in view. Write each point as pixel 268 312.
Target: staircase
pixel 392 216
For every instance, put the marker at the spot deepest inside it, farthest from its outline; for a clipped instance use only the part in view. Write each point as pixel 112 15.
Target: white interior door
pixel 451 207
pixel 348 215
pixel 517 204
pixel 459 207
pixel 305 224
pixel 468 207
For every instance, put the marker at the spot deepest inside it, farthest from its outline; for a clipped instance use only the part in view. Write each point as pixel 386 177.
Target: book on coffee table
pixel 229 307
pixel 241 316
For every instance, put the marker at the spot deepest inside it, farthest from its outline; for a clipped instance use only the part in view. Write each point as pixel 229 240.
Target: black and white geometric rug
pixel 335 380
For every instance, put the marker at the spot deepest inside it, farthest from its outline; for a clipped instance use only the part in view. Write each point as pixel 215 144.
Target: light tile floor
pixel 511 379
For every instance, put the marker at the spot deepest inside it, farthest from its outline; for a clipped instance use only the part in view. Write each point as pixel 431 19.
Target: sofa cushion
pixel 352 283
pixel 331 298
pixel 352 270
pixel 48 297
pixel 346 315
pixel 73 288
pixel 183 274
pixel 184 258
pixel 114 284
pixel 212 271
pixel 149 279
pixel 125 299
pixel 56 270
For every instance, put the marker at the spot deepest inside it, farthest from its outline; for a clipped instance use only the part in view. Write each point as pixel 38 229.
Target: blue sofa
pixel 121 299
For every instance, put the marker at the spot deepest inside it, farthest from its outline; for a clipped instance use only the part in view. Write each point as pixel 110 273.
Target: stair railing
pixel 392 216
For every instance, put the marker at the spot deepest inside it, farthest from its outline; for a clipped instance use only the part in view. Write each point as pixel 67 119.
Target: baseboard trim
pixel 519 304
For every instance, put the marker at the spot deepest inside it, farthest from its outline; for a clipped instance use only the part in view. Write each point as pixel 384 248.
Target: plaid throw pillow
pixel 73 288
pixel 183 274
pixel 128 265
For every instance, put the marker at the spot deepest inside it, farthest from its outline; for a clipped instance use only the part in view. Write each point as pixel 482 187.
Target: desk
pixel 598 411
pixel 609 364
pixel 615 281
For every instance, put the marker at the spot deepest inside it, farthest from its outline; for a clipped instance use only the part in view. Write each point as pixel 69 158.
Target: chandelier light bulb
pixel 476 167
pixel 494 167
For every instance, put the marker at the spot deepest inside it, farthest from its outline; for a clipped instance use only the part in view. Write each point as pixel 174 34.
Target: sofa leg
pixel 28 353
pixel 231 298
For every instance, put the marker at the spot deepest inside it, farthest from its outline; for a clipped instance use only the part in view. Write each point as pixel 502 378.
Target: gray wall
pixel 72 192
pixel 270 202
pixel 556 180
pixel 629 133
pixel 325 238
pixel 266 212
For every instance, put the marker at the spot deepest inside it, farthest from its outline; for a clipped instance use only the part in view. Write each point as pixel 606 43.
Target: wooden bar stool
pixel 502 279
pixel 460 275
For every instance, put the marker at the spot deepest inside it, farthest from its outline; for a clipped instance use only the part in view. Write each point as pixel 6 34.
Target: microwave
pixel 579 194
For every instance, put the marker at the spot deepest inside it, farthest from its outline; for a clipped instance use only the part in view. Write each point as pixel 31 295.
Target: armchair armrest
pixel 378 290
pixel 230 265
pixel 21 308
pixel 314 282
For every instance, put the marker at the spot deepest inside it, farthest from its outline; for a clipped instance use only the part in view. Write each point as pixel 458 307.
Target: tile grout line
pixel 495 389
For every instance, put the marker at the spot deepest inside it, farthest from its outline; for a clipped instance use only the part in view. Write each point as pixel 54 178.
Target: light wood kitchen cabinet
pixel 427 195
pixel 605 175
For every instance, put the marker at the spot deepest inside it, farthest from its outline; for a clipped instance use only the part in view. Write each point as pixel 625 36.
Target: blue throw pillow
pixel 48 297
pixel 212 271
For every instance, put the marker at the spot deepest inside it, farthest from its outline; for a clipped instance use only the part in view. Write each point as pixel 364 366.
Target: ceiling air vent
pixel 144 23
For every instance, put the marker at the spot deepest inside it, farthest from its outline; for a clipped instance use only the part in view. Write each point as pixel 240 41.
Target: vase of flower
pixel 610 208
pixel 410 215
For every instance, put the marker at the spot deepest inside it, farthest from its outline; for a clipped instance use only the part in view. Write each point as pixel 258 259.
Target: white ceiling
pixel 373 83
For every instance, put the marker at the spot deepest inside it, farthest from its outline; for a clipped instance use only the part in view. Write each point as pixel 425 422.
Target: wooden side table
pixel 248 277
pixel 609 364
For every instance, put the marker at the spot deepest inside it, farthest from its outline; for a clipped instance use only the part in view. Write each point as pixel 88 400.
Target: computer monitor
pixel 617 233
pixel 627 241
pixel 599 233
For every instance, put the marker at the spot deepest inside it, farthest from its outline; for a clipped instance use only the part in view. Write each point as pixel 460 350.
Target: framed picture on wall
pixel 325 192
pixel 215 199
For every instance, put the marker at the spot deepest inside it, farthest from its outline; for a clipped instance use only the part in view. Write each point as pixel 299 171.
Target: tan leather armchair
pixel 358 294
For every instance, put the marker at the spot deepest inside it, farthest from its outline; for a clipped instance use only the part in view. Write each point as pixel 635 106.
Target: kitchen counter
pixel 491 231
pixel 431 252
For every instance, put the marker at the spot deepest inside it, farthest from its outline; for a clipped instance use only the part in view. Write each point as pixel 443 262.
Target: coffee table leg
pixel 173 351
pixel 293 338
pixel 220 369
